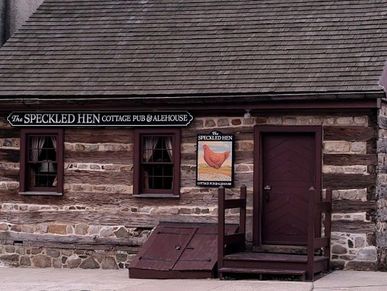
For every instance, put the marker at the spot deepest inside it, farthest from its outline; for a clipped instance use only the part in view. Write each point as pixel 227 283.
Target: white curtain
pixel 37 147
pixel 53 140
pixel 149 147
pixel 168 145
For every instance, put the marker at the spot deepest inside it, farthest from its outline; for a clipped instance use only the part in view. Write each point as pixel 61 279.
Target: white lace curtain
pixel 150 144
pixel 37 146
pixel 37 143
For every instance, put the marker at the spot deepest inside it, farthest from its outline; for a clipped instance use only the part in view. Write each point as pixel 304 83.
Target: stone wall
pixel 381 188
pixel 69 246
pixel 97 213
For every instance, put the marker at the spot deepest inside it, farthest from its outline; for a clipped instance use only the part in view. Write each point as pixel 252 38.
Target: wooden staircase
pixel 233 258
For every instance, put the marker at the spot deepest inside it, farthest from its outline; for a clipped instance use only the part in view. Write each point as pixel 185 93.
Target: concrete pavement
pixel 23 279
pixel 352 280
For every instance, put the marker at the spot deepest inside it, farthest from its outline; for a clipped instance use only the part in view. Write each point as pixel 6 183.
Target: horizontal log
pixel 348 160
pixel 9 174
pixel 200 197
pixel 103 217
pixel 353 226
pixel 9 132
pixel 99 135
pixel 350 206
pixel 129 249
pixel 371 146
pixel 98 178
pixel 348 181
pixel 113 157
pixel 11 237
pixel 10 155
pixel 349 133
pixel 244 179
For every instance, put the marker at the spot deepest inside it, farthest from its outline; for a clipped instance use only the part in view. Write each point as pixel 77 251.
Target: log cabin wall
pixel 97 223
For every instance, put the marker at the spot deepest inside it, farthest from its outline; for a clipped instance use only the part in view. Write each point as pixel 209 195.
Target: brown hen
pixel 214 160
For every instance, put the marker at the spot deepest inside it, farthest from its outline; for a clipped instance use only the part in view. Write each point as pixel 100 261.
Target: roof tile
pixel 141 47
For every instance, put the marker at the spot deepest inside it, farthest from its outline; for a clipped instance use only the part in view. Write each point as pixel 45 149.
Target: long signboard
pixel 96 119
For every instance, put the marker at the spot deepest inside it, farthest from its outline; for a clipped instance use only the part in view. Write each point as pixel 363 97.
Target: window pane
pixel 157 149
pixel 42 165
pixel 158 177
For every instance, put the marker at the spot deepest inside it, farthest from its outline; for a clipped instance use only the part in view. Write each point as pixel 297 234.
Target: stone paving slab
pixel 352 280
pixel 29 279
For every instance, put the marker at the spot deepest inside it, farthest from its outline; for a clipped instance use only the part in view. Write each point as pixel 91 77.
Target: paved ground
pixel 23 279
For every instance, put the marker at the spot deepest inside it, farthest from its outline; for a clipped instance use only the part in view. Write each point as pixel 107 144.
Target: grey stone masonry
pixel 381 188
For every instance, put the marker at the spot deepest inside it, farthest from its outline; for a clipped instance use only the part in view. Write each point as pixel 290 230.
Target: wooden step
pixel 270 257
pixel 280 249
pixel 262 271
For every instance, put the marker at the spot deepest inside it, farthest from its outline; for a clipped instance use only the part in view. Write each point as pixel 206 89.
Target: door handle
pixel 266 192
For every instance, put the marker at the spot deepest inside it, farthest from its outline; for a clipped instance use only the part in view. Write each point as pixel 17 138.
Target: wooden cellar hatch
pixel 178 251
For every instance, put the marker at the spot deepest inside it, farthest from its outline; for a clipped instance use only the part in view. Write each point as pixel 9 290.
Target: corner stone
pixel 25 261
pixel 81 229
pixel 89 263
pixel 41 261
pixel 3 226
pixel 361 266
pixel 338 249
pixel 53 253
pixel 57 228
pixel 109 263
pixel 73 261
pixel 122 233
pixel 10 259
pixel 367 254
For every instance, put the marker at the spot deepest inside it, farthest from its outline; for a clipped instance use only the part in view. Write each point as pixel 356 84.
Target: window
pixel 41 162
pixel 157 163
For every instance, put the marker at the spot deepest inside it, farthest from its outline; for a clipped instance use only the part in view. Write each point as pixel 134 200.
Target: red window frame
pixel 138 187
pixel 24 187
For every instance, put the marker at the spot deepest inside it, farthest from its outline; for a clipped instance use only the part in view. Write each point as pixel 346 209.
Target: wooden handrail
pixel 328 224
pixel 221 225
pixel 229 241
pixel 314 243
pixel 311 234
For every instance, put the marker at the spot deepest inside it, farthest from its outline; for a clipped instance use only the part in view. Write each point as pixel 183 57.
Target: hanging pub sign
pixel 95 119
pixel 214 162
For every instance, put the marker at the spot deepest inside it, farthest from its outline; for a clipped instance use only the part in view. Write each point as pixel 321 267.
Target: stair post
pixel 311 234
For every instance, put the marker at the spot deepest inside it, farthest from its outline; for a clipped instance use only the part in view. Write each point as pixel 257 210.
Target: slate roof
pixel 164 47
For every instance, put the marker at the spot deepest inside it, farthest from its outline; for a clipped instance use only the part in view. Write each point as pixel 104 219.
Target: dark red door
pixel 288 171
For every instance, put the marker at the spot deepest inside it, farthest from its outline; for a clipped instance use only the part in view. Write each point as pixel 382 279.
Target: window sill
pixel 156 196
pixel 40 193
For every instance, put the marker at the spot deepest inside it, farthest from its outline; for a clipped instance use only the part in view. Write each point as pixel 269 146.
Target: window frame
pixel 23 185
pixel 138 191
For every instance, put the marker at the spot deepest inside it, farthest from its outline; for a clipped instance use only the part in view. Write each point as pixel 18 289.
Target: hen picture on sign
pixel 214 159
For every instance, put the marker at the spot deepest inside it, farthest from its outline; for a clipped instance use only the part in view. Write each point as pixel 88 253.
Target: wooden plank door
pixel 288 171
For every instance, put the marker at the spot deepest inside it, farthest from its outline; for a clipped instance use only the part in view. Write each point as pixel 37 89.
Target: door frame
pixel 259 131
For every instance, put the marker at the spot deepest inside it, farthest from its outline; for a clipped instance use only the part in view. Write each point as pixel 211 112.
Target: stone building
pixel 302 77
